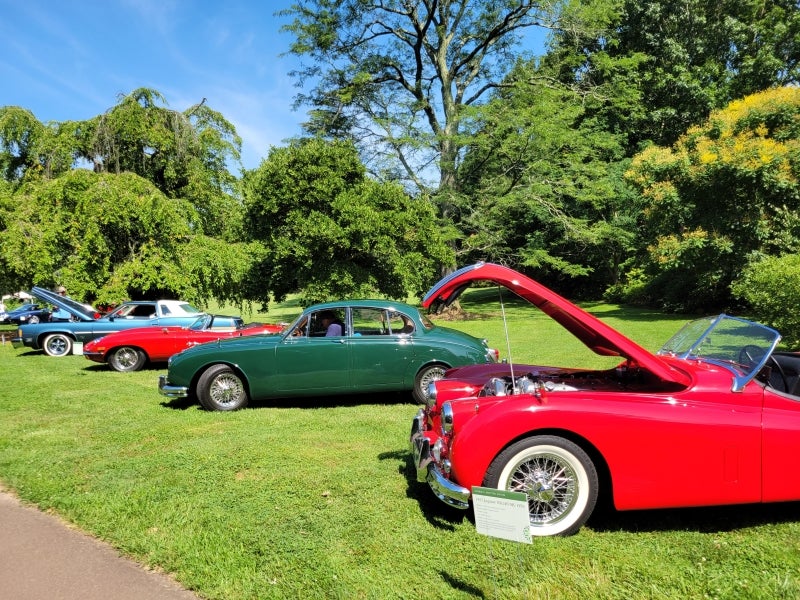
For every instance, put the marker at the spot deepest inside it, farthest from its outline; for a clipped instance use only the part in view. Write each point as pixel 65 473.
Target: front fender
pixel 492 428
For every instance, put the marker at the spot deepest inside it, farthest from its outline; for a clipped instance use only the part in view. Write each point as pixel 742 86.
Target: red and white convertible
pixel 131 349
pixel 713 418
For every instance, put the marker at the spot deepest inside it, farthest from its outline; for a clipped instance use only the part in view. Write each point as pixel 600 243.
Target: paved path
pixel 41 558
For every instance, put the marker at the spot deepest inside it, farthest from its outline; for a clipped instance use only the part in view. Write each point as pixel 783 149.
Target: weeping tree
pixel 185 154
pixel 127 204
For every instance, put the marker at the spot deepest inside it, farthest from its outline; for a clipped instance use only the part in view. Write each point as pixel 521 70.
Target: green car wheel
pixel 220 388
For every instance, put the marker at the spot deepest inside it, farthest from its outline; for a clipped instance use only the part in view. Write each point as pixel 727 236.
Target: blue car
pixel 57 338
pixel 30 312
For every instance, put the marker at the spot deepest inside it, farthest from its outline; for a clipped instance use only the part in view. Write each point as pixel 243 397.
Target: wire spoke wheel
pixel 225 389
pixel 551 485
pixel 220 388
pixel 126 359
pixel 558 477
pixel 424 378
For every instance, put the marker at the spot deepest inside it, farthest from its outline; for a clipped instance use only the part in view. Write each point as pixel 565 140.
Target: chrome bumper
pixel 427 470
pixel 17 342
pixel 171 391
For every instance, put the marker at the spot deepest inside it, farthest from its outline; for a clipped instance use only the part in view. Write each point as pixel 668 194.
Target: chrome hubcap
pixel 551 485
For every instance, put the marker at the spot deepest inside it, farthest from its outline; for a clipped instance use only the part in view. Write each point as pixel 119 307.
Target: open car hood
pixel 596 335
pixel 82 312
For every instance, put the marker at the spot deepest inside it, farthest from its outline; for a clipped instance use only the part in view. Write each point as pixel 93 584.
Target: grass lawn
pixel 317 498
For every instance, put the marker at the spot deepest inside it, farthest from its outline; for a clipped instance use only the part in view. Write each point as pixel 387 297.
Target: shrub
pixel 771 286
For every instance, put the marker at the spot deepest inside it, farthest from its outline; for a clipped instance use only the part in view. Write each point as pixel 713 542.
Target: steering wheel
pixel 750 355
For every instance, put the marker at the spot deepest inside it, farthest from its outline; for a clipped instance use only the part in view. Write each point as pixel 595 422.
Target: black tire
pixel 57 344
pixel 126 358
pixel 558 477
pixel 220 388
pixel 425 376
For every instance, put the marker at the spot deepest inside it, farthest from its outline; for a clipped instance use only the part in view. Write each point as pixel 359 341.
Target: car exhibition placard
pixel 502 514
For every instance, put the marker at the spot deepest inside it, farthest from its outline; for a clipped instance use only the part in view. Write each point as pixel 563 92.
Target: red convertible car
pixel 131 349
pixel 713 418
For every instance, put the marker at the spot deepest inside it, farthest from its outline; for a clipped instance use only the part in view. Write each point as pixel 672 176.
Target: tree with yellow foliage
pixel 725 195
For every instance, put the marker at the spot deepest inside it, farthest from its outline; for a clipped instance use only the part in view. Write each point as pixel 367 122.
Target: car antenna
pixel 508 342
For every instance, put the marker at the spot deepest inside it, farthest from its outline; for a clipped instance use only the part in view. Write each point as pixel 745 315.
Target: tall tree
pixel 157 202
pixel 329 231
pixel 184 154
pixel 396 76
pixel 694 56
pixel 547 187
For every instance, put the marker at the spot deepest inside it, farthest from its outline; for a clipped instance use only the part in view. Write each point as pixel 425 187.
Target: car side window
pixel 400 323
pixel 322 320
pixel 143 311
pixel 369 321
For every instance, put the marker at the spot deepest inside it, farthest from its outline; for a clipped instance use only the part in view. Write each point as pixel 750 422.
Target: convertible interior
pixel 782 373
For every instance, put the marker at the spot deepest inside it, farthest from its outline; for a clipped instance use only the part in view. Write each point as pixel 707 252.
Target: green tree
pixel 328 231
pixel 544 166
pixel 396 76
pixel 109 237
pixel 185 154
pixel 726 193
pixel 693 56
pixel 771 288
pixel 29 148
pixel 158 201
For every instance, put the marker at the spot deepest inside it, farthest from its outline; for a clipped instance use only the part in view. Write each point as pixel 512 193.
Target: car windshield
pixel 741 346
pixel 201 323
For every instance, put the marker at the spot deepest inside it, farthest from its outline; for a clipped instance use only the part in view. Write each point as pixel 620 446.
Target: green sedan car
pixel 334 348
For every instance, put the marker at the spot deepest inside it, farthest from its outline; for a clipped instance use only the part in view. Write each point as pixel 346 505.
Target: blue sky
pixel 67 60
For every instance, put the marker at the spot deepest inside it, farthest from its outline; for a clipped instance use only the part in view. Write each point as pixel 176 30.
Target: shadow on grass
pixel 711 519
pixel 30 353
pixel 437 513
pixel 311 402
pixel 459 585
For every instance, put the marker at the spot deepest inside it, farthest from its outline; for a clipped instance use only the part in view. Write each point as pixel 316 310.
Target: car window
pixel 138 311
pixel 369 321
pixel 144 311
pixel 187 308
pixel 221 322
pixel 400 323
pixel 322 319
pixel 200 323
